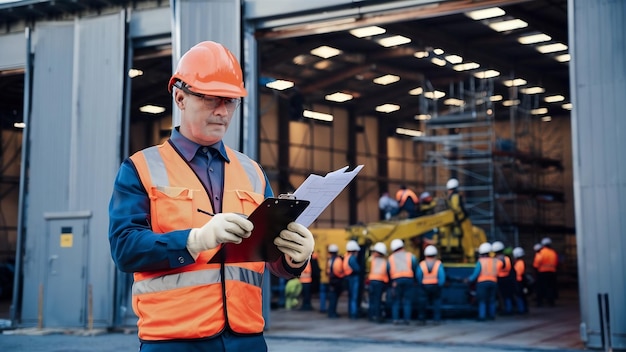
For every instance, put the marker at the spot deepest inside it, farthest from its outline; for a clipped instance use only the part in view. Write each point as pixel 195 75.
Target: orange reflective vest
pixel 347 269
pixel 430 277
pixel 504 268
pixel 546 260
pixel 201 299
pixel 488 269
pixel 403 194
pixel 401 265
pixel 520 267
pixel 334 268
pixel 306 276
pixel 378 270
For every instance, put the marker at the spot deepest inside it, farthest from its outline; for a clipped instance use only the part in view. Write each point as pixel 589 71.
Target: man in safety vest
pixel 407 201
pixel 462 224
pixel 173 207
pixel 486 277
pixel 520 274
pixel 546 261
pixel 378 278
pixel 506 278
pixel 430 277
pixel 401 267
pixel 352 272
pixel 334 271
pixel 306 279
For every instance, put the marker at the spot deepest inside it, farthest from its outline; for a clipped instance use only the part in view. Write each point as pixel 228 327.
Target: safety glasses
pixel 212 102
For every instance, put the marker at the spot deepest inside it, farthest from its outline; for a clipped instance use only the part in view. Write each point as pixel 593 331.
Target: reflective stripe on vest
pixel 430 277
pixel 194 295
pixel 347 269
pixel 378 269
pixel 400 265
pixel 488 269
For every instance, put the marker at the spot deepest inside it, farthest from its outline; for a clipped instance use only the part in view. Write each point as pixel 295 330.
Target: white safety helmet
pixel 484 248
pixel 380 248
pixel 518 252
pixel 546 241
pixel 352 246
pixel 332 248
pixel 396 244
pixel 425 197
pixel 497 246
pixel 452 183
pixel 537 247
pixel 430 251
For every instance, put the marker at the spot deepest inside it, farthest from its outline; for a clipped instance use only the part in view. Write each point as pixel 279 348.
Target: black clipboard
pixel 269 218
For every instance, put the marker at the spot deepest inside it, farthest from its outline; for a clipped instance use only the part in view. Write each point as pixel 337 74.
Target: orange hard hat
pixel 209 68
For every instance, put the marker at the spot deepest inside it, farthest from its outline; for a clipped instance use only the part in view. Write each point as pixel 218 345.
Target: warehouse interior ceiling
pixel 285 54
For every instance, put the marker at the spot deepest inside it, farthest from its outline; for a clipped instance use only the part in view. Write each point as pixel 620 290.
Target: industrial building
pixel 521 105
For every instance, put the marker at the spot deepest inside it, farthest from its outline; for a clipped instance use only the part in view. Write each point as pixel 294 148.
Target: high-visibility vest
pixel 520 267
pixel 401 265
pixel 488 269
pixel 429 277
pixel 334 268
pixel 201 299
pixel 306 276
pixel 347 269
pixel 378 269
pixel 403 194
pixel 504 268
pixel 546 260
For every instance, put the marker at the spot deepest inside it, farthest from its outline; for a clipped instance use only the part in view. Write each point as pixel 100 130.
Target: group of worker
pixel 405 200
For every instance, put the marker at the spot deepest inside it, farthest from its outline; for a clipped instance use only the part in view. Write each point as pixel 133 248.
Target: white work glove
pixel 222 228
pixel 296 242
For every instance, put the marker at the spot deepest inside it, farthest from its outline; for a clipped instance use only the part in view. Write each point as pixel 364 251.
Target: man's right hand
pixel 222 228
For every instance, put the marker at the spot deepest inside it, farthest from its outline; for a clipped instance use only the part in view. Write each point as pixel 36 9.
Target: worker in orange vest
pixel 506 278
pixel 334 270
pixel 407 201
pixel 378 278
pixel 306 279
pixel 431 277
pixel 520 274
pixel 546 261
pixel 352 273
pixel 486 277
pixel 401 266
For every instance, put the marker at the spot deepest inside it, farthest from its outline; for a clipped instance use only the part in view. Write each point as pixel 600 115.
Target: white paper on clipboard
pixel 321 191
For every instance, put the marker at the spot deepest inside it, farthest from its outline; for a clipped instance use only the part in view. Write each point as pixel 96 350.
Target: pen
pixel 205 212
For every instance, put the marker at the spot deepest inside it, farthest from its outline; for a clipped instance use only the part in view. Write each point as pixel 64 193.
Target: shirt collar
pixel 188 148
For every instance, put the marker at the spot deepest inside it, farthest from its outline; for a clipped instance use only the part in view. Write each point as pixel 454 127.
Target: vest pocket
pixel 172 208
pixel 246 201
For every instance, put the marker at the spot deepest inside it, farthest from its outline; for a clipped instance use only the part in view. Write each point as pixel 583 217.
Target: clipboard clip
pixel 286 196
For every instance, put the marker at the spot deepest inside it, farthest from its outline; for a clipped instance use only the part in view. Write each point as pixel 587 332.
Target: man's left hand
pixel 296 242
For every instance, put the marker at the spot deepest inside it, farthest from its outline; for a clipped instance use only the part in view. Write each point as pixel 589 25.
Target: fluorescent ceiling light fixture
pixel 454 59
pixel 454 102
pixel 486 74
pixel 393 41
pixel 534 38
pixel 435 95
pixel 563 58
pixel 152 109
pixel 386 79
pixel 338 97
pixel 422 117
pixel 367 31
pixel 317 115
pixel 567 106
pixel 325 51
pixel 409 132
pixel 551 48
pixel 510 102
pixel 485 13
pixel 532 90
pixel 508 25
pixel 322 65
pixel 554 98
pixel 387 108
pixel 300 60
pixel 496 97
pixel 438 51
pixel 133 72
pixel 280 84
pixel 539 111
pixel 437 61
pixel 546 118
pixel 514 82
pixel 466 66
pixel 420 54
pixel 416 91
pixel 19 125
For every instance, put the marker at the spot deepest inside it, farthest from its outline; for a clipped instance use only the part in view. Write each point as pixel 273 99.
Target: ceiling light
pixel 386 79
pixel 510 102
pixel 454 59
pixel 554 98
pixel 279 84
pixel 563 58
pixel 532 90
pixel 133 72
pixel 454 102
pixel 420 54
pixel 438 51
pixel 435 95
pixel 485 13
pixel 416 91
pixel 539 111
pixel 486 74
pixel 567 106
pixel 422 117
pixel 514 82
pixel 152 109
pixel 338 97
pixel 19 125
pixel 551 48
pixel 393 41
pixel 546 118
pixel 387 108
pixel 367 31
pixel 325 51
pixel 534 38
pixel 317 115
pixel 323 65
pixel 466 66
pixel 409 132
pixel 437 61
pixel 496 97
pixel 300 60
pixel 508 25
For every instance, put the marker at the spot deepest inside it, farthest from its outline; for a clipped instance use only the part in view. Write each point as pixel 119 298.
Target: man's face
pixel 200 121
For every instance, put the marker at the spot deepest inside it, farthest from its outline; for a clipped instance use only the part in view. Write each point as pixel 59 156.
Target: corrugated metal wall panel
pixel 598 82
pixel 16 57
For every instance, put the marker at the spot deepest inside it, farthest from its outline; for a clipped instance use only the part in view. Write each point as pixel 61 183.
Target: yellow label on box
pixel 67 239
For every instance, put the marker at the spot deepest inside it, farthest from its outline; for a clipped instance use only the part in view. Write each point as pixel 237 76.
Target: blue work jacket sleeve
pixel 354 264
pixel 476 272
pixel 441 276
pixel 134 246
pixel 419 275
